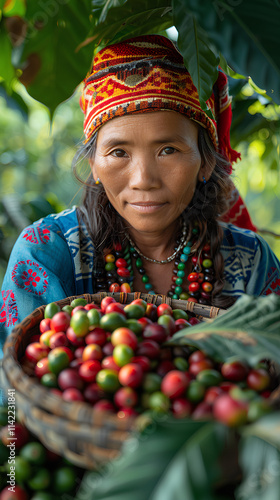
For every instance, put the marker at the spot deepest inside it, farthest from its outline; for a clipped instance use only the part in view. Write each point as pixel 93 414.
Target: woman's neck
pixel 156 245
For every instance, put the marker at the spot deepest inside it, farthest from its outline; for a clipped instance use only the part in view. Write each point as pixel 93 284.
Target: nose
pixel 145 174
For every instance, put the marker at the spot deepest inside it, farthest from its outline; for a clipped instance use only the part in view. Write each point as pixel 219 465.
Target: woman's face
pixel 149 165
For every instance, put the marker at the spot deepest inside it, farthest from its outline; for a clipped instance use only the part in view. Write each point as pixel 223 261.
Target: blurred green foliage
pixel 35 165
pixel 256 134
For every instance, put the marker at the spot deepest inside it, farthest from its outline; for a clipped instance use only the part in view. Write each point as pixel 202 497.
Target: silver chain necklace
pixel 182 243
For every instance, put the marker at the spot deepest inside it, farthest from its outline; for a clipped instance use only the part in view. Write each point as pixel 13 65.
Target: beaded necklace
pixel 165 261
pixel 117 274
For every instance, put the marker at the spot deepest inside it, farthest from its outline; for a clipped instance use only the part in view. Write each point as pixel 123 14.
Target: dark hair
pixel 208 204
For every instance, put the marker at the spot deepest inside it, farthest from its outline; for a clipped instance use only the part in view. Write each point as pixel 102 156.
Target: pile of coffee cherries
pixel 115 358
pixel 28 471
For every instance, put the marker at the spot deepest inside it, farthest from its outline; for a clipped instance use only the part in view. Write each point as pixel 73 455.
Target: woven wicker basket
pixel 73 429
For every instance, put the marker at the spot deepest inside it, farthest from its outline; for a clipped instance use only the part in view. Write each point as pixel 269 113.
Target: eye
pixel 168 150
pixel 119 153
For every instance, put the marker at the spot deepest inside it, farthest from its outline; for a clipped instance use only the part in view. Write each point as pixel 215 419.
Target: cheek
pixel 183 183
pixel 99 170
pixel 111 172
pixel 98 165
pixel 187 195
pixel 114 186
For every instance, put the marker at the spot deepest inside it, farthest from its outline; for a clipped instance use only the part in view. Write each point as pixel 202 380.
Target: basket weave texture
pixel 73 429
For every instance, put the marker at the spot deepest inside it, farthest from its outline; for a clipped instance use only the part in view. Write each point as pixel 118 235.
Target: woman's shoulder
pixel 236 237
pixel 60 223
pixel 245 242
pixel 51 242
pixel 42 247
pixel 62 232
pixel 59 229
pixel 250 264
pixel 247 246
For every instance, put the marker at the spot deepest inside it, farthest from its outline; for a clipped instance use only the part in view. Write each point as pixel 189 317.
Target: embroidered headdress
pixel 147 73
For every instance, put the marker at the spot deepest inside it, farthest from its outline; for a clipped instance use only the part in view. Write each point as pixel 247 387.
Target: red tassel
pixel 239 216
pixel 238 213
pixel 223 119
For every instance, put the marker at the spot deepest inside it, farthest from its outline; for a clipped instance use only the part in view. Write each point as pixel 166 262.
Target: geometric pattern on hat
pixel 145 74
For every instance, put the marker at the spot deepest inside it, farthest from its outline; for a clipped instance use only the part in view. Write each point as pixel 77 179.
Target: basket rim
pixel 41 396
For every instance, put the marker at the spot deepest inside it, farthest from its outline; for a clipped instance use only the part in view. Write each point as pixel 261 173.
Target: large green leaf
pixel 51 47
pixel 60 52
pixel 249 329
pixel 172 459
pixel 222 343
pixel 260 463
pixel 247 34
pixel 7 72
pixel 131 19
pixel 247 312
pixel 194 45
pixel 107 5
pixel 61 39
pixel 266 428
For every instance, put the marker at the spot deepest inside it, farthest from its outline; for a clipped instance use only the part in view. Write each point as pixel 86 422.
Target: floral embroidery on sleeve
pixel 37 234
pixel 8 311
pixel 30 276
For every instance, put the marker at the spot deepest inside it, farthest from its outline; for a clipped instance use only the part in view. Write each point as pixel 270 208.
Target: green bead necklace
pixel 186 250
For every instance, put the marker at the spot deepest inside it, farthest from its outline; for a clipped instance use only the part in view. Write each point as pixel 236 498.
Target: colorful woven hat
pixel 146 74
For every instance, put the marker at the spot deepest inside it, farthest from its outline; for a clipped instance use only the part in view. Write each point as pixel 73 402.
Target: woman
pixel 153 204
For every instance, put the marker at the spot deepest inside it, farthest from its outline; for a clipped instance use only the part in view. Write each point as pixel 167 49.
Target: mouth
pixel 146 206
